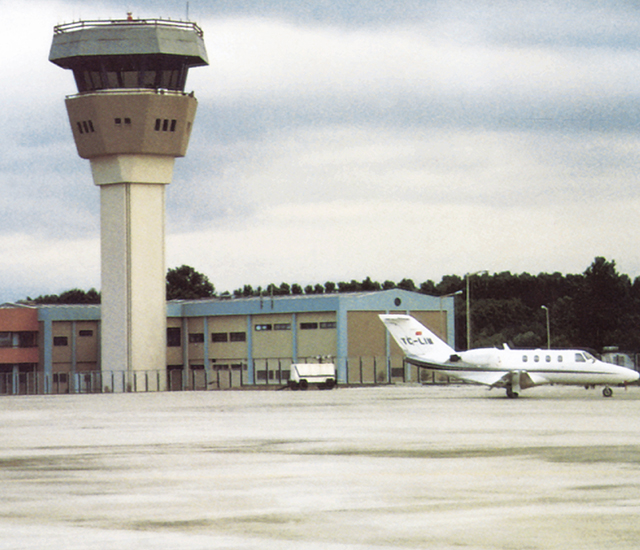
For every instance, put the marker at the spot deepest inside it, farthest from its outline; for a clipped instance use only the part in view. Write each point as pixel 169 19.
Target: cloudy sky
pixel 337 140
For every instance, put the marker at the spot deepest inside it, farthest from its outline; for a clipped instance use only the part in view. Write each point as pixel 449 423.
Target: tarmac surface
pixel 354 468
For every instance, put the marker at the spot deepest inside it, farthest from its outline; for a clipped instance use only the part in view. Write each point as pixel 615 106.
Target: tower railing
pixel 79 25
pixel 131 91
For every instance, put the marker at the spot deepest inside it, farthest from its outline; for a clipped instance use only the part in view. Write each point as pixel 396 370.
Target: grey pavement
pixel 354 468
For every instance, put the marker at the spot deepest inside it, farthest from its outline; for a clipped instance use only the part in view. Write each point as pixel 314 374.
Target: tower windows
pixel 165 125
pixel 86 127
pixel 118 121
pixel 159 72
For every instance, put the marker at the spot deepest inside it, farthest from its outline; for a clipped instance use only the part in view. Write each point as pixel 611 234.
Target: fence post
pixel 375 370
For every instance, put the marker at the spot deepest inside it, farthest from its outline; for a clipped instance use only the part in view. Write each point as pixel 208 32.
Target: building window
pixel 263 327
pixel 86 127
pixel 308 326
pixel 27 339
pixel 219 337
pixel 85 333
pixel 164 125
pixel 397 372
pixel 282 326
pixel 60 341
pixel 217 367
pixel 238 336
pixel 196 338
pixel 328 324
pixel 174 335
pixel 18 339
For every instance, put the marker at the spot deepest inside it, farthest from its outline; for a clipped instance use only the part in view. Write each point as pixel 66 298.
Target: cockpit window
pixel 580 358
pixel 588 356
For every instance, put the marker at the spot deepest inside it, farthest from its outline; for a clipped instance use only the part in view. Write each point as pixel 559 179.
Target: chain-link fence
pixel 223 374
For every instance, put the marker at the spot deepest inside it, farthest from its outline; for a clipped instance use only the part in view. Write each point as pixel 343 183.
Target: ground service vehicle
pixel 304 374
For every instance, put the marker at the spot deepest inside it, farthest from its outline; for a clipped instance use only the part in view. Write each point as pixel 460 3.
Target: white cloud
pixel 35 265
pixel 274 60
pixel 397 239
pixel 460 137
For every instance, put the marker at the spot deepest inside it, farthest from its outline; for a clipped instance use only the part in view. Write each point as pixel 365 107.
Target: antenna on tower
pixel 187 11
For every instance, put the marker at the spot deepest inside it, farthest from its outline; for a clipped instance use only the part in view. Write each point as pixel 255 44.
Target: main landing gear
pixel 510 393
pixel 607 391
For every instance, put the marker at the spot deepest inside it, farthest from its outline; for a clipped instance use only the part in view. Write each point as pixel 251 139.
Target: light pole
pixel 468 276
pixel 546 310
pixel 442 325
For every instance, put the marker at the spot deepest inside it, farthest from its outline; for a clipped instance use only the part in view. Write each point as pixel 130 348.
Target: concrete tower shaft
pixel 131 118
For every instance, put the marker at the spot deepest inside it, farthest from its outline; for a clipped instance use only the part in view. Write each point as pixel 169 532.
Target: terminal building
pixel 218 343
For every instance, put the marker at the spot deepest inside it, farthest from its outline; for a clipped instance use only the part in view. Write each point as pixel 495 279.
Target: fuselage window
pixel 548 358
pixel 536 358
pixel 525 358
pixel 559 358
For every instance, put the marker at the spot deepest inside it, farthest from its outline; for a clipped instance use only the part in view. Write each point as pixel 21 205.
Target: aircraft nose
pixel 634 376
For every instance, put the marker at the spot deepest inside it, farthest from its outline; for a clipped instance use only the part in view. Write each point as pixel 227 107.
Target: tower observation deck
pixel 131 118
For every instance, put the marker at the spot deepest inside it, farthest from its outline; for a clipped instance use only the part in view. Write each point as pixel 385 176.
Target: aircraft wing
pixel 463 371
pixel 487 378
pixel 501 379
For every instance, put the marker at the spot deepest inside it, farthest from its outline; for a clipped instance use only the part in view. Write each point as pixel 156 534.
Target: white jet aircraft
pixel 514 370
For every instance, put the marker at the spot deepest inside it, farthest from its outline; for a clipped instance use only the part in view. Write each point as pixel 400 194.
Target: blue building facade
pixel 224 343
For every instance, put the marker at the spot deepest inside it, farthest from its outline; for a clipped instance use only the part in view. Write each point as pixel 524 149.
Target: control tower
pixel 131 118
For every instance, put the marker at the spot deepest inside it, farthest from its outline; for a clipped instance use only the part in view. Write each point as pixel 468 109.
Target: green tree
pixel 407 284
pixel 602 305
pixel 185 283
pixel 73 296
pixel 329 287
pixel 369 285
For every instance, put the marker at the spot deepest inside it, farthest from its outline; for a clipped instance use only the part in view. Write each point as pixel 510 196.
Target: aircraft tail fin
pixel 415 339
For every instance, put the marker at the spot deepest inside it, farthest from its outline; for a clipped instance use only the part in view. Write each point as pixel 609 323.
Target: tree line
pixel 595 309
